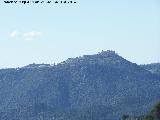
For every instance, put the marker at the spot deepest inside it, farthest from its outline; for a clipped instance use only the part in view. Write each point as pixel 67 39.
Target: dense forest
pixel 102 86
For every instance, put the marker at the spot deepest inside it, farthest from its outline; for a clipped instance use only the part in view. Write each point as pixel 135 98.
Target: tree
pixel 124 117
pixel 157 111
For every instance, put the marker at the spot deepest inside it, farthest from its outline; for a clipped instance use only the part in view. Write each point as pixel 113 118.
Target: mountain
pixel 102 86
pixel 154 68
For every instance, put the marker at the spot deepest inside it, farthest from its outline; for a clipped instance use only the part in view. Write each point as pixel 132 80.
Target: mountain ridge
pixel 103 54
pixel 102 86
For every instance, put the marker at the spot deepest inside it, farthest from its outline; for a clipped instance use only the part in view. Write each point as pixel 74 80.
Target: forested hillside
pixel 102 86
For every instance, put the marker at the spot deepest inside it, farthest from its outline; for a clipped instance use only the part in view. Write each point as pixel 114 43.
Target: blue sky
pixel 48 33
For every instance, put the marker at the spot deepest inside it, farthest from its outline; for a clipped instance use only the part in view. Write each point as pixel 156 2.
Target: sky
pixel 51 33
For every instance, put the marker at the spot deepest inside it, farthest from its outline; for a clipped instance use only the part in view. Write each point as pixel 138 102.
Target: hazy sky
pixel 48 33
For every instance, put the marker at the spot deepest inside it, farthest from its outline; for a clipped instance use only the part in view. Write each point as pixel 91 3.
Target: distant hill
pixel 154 68
pixel 102 86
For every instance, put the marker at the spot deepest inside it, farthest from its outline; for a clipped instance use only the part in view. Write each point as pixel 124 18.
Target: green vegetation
pixel 154 114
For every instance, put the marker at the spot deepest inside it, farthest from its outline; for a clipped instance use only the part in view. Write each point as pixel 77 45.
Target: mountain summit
pixel 104 57
pixel 102 86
